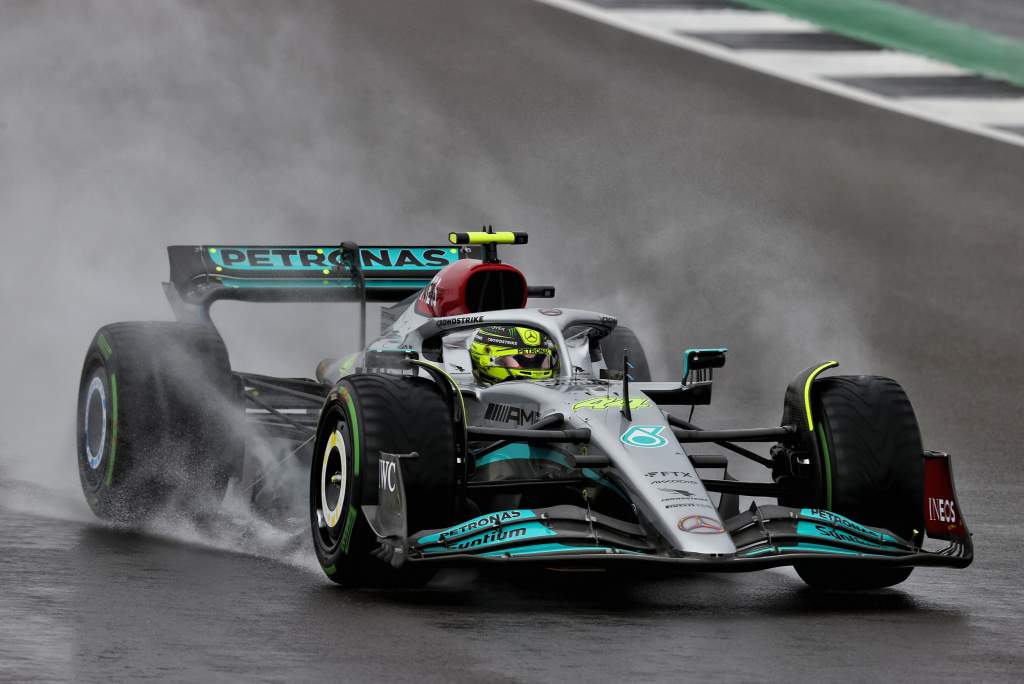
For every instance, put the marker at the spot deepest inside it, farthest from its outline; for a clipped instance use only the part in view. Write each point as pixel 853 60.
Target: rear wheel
pixel 612 346
pixel 363 416
pixel 871 471
pixel 159 415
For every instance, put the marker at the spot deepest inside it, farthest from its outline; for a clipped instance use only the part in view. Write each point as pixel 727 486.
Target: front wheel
pixel 871 470
pixel 363 416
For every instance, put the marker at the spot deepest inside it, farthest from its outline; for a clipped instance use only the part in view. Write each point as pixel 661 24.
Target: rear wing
pixel 203 274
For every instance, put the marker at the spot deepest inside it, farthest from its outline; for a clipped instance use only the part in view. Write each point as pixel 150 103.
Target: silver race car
pixel 478 431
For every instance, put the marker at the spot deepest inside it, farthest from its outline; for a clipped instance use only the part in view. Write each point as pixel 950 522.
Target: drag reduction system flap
pixel 202 274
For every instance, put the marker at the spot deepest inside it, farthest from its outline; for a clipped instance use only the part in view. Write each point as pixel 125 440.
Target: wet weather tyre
pixel 872 471
pixel 612 346
pixel 160 419
pixel 363 416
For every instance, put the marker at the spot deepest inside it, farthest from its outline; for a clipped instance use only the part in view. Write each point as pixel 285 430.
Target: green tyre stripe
pixel 354 424
pixel 113 431
pixel 827 459
pixel 104 346
pixel 350 519
pixel 350 523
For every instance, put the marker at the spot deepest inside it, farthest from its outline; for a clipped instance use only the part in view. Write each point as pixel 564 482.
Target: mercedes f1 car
pixel 477 431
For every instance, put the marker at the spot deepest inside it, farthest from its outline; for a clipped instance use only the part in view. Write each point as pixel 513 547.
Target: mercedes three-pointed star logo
pixel 700 524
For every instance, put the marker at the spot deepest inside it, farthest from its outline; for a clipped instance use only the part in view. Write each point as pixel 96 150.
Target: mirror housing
pixel 699 364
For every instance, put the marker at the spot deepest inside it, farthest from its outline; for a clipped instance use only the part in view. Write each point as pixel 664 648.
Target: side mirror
pixel 698 364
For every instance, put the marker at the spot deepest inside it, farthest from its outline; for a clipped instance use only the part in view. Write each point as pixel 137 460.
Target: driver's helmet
pixel 502 353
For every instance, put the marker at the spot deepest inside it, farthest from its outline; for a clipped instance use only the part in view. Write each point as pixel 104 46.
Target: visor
pixel 539 359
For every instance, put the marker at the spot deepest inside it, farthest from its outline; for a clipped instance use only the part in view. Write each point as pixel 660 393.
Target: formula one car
pixel 477 431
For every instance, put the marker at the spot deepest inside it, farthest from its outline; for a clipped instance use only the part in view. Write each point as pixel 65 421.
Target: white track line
pixel 855 63
pixel 612 18
pixel 1005 112
pixel 716 20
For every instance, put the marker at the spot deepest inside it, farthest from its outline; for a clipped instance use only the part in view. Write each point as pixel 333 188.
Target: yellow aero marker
pixel 807 390
pixel 479 237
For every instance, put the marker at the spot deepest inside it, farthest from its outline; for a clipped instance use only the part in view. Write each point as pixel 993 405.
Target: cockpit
pixel 498 353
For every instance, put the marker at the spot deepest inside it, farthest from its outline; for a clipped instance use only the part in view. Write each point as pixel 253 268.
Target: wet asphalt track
pixel 715 204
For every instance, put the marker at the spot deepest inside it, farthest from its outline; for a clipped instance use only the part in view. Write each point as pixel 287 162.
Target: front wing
pixel 765 536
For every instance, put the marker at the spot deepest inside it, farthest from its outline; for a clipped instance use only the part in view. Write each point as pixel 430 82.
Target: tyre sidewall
pixel 395 415
pixel 885 492
pixel 96 480
pixel 871 481
pixel 176 420
pixel 342 558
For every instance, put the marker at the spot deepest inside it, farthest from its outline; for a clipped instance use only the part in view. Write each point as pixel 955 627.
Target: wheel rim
pixel 95 422
pixel 330 485
pixel 333 480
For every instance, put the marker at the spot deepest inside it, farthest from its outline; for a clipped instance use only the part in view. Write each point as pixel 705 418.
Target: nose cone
pixel 659 476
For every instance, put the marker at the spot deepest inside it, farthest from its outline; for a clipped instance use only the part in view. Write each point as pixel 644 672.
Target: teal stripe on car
pixel 523 452
pixel 803 547
pixel 526 452
pixel 829 533
pixel 543 549
pixel 478 524
pixel 841 521
pixel 500 535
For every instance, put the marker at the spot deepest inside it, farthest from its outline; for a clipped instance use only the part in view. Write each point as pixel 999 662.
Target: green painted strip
pixel 901 28
pixel 104 346
pixel 113 431
pixel 828 466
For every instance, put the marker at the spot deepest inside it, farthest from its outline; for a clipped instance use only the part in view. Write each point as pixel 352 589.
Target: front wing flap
pixel 767 536
pixel 506 532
